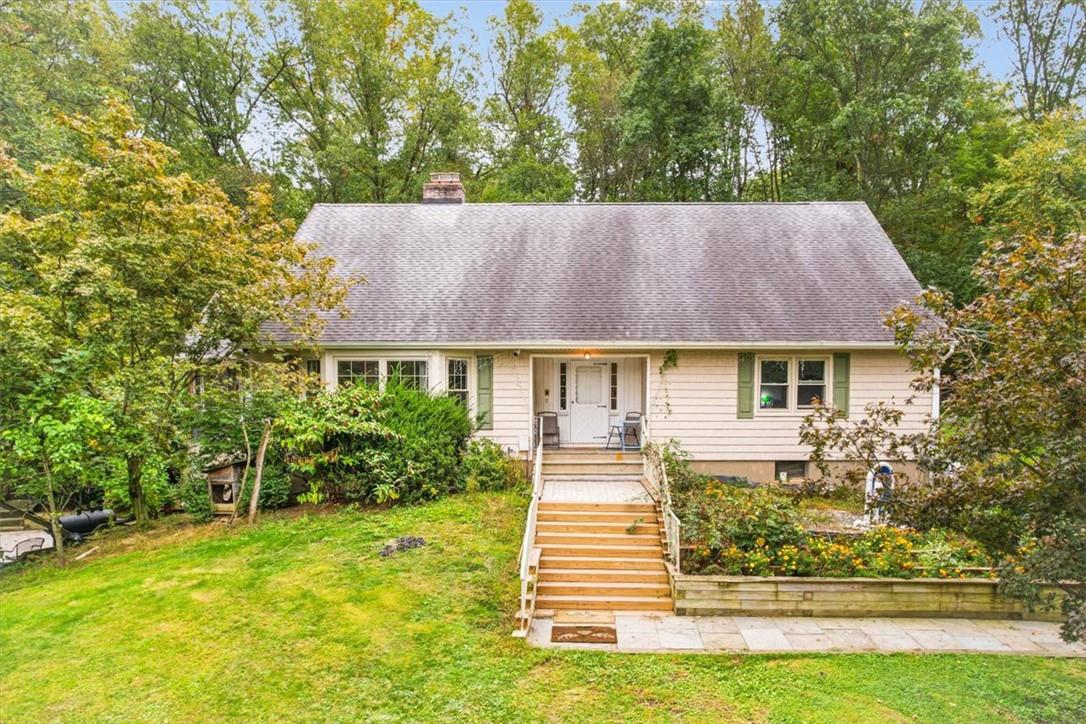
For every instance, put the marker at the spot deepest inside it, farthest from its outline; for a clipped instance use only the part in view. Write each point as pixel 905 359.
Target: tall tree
pixel 745 50
pixel 1049 38
pixel 54 57
pixel 682 122
pixel 371 95
pixel 197 84
pixel 879 92
pixel 602 56
pixel 150 277
pixel 527 144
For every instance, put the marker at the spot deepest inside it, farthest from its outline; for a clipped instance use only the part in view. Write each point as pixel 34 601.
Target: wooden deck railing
pixel 529 553
pixel 656 476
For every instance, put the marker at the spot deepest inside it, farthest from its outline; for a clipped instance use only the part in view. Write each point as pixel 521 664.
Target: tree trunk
pixel 261 449
pixel 135 489
pixel 54 514
pixel 244 472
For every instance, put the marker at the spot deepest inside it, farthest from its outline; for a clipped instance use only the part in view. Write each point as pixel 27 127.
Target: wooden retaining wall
pixel 859 597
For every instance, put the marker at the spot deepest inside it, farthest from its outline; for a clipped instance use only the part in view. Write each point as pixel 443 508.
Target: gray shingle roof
pixel 622 273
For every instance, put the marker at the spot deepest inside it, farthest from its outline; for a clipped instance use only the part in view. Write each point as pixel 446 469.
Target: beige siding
pixel 512 400
pixel 695 402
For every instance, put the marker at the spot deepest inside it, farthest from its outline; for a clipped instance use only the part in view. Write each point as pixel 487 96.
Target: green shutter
pixel 840 381
pixel 484 408
pixel 745 407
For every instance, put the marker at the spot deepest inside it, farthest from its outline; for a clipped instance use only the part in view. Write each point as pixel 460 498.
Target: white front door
pixel 588 412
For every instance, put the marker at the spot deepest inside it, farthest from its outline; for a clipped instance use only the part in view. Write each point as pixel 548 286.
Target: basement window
pixel 791 469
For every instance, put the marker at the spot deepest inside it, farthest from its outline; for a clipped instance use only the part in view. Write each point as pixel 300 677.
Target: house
pixel 723 323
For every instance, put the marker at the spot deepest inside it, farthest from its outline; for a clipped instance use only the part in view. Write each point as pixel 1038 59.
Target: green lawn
pixel 300 619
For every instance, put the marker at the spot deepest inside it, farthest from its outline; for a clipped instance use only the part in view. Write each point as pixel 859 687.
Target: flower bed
pixel 733 530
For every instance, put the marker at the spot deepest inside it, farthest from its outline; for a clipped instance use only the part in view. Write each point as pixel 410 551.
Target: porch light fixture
pixel 588 355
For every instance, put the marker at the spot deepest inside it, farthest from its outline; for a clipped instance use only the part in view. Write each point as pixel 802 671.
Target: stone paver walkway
pixel 656 633
pixel 575 491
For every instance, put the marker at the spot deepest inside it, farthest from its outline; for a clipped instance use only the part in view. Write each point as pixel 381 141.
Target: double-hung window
pixel 792 383
pixel 458 379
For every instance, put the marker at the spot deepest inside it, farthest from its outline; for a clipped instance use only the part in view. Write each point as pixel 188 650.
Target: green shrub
pixel 274 488
pixel 432 433
pixel 361 444
pixel 487 467
pixel 195 498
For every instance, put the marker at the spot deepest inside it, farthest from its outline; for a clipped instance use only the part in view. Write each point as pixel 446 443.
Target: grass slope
pixel 299 619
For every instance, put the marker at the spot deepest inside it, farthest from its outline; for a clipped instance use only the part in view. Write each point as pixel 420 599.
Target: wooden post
pixel 261 449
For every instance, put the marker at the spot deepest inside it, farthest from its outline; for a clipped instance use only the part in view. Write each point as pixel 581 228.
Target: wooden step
pixel 602 551
pixel 596 516
pixel 633 527
pixel 598 507
pixel 543 538
pixel 603 588
pixel 602 575
pixel 594 468
pixel 591 456
pixel 613 563
pixel 605 603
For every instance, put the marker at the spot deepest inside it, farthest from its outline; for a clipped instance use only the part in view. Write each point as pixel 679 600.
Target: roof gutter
pixel 601 344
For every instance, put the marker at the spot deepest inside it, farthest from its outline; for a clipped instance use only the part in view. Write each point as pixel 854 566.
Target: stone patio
pixel 665 633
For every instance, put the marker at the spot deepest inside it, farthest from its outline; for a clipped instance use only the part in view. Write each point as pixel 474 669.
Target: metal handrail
pixel 527 545
pixel 656 475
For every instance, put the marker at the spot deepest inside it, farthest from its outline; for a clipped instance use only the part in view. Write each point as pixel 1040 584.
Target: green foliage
pixel 1006 459
pixel 362 444
pixel 487 467
pixel 195 498
pixel 275 484
pixel 150 278
pixel 716 516
pixel 736 531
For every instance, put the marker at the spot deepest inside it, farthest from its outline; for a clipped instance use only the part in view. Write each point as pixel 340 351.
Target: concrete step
pixel 598 563
pixel 597 507
pixel 604 603
pixel 594 550
pixel 607 539
pixel 602 575
pixel 602 588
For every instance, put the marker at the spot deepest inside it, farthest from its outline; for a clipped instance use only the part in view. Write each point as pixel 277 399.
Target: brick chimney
pixel 443 188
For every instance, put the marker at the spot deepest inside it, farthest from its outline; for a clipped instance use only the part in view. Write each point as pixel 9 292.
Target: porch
pixel 591 400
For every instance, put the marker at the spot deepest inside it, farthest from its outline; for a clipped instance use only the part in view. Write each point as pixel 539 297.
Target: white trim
pixel 793 409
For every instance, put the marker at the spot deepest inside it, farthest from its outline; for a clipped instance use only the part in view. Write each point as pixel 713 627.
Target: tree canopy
pixel 644 100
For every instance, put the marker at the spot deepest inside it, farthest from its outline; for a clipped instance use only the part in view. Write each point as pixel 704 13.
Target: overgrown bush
pixel 487 467
pixel 365 445
pixel 432 432
pixel 195 498
pixel 274 488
